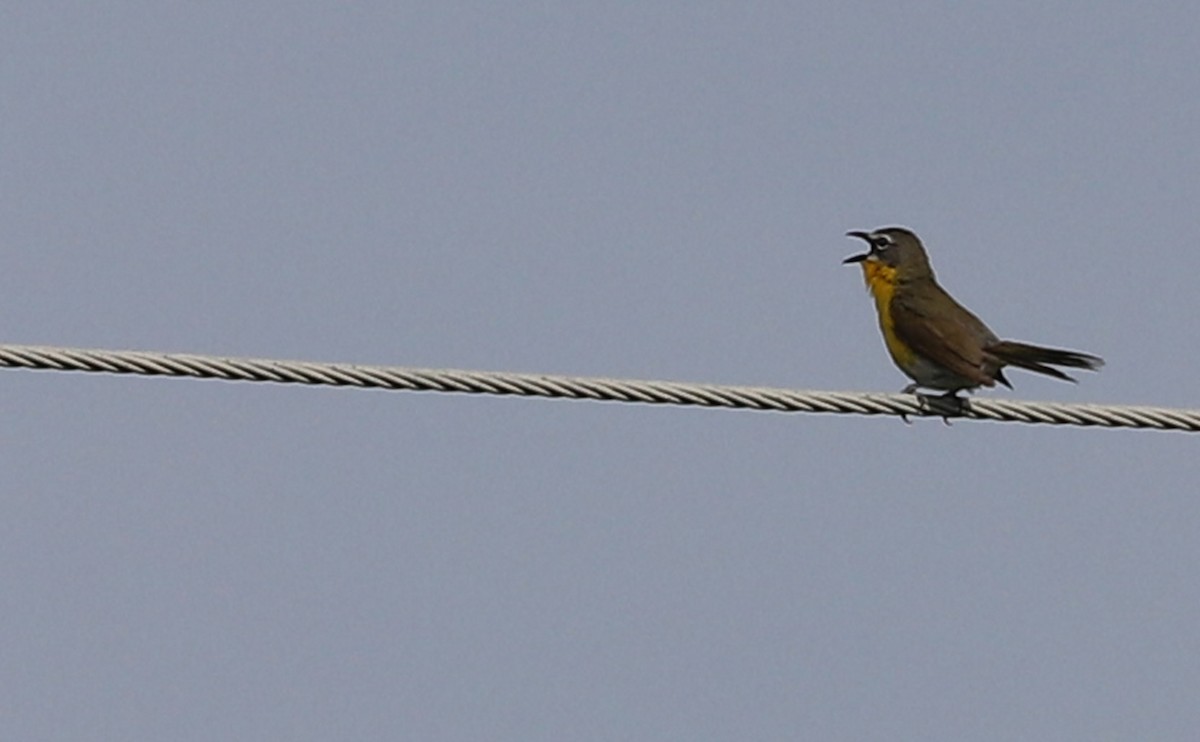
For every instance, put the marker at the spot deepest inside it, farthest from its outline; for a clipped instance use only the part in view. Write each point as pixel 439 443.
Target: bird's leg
pixel 946 405
pixel 910 389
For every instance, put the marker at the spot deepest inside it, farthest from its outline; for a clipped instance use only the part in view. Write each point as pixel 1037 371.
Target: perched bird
pixel 932 338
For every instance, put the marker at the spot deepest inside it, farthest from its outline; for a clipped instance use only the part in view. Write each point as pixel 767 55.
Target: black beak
pixel 865 236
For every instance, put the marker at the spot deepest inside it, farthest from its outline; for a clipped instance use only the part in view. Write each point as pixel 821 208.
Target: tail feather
pixel 1041 360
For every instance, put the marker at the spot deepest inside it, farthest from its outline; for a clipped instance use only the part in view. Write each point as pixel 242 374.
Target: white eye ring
pixel 881 241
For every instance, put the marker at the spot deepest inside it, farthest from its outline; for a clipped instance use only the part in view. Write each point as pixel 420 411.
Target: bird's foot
pixel 910 389
pixel 946 405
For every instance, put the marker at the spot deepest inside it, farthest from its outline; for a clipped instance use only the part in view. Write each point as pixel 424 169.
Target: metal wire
pixel 594 388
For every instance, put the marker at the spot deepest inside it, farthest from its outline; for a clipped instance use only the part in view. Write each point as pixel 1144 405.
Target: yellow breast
pixel 881 280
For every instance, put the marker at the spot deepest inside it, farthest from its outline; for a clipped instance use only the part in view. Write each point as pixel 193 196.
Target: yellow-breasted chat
pixel 932 338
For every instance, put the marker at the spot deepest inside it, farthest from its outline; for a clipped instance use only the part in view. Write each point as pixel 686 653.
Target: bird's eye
pixel 881 241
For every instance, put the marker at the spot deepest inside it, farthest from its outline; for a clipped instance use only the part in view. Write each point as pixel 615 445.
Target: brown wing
pixel 942 330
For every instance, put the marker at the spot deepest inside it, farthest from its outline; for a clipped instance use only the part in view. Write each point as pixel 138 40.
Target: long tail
pixel 1042 360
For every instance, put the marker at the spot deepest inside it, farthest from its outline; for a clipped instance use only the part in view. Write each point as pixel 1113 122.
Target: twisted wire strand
pixel 594 388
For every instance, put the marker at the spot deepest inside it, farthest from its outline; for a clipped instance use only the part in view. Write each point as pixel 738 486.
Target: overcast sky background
pixel 621 189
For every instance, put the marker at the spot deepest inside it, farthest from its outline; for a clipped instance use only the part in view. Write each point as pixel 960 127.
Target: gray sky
pixel 628 190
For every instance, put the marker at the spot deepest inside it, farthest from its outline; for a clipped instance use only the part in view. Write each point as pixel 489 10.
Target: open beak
pixel 865 236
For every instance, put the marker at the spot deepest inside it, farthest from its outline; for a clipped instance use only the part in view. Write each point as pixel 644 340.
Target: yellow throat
pixel 881 282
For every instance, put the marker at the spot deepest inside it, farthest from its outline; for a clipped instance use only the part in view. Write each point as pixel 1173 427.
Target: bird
pixel 934 340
